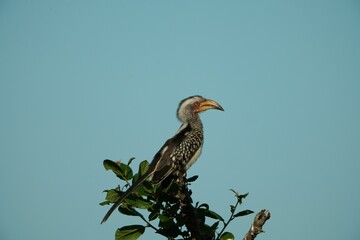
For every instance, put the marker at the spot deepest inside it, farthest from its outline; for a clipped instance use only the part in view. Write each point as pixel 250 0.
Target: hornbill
pixel 185 147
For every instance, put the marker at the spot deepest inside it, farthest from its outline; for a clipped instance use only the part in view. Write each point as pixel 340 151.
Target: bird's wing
pixel 164 161
pixel 162 164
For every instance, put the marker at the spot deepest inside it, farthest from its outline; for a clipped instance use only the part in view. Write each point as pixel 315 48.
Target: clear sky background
pixel 82 81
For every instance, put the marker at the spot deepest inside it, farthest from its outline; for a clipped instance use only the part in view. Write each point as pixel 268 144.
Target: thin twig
pixel 230 218
pixel 148 223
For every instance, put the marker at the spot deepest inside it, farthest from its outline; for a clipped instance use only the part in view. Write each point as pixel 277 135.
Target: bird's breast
pixel 194 158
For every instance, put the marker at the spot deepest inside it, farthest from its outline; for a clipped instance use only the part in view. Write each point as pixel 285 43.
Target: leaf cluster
pixel 159 207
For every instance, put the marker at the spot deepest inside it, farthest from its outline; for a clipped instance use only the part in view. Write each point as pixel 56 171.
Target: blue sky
pixel 82 81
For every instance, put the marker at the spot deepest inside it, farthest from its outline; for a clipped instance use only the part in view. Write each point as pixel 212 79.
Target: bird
pixel 184 147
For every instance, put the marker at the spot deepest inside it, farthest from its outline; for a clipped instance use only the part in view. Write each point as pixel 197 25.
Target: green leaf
pixel 235 192
pixel 204 206
pixel 121 170
pixel 239 196
pixel 110 165
pixel 153 216
pixel 148 188
pixel 127 172
pixel 138 202
pixel 130 161
pixel 143 167
pixel 131 232
pixel 168 227
pixel 243 213
pixel 145 189
pixel 112 195
pixel 193 178
pixel 206 230
pixel 105 203
pixel 128 211
pixel 163 218
pixel 214 226
pixel 227 236
pixel 214 215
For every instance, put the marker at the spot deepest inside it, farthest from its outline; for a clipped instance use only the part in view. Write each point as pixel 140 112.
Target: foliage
pixel 162 208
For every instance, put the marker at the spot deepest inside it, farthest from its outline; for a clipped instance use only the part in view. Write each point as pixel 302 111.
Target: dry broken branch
pixel 257 225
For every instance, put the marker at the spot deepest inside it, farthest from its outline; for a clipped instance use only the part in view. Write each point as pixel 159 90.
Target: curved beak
pixel 209 104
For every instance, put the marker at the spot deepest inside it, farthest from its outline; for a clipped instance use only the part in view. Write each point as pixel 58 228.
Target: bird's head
pixel 190 107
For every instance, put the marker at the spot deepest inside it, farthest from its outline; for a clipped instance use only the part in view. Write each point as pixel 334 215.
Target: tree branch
pixel 187 209
pixel 257 225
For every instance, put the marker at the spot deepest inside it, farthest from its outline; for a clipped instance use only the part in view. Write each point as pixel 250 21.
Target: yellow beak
pixel 209 104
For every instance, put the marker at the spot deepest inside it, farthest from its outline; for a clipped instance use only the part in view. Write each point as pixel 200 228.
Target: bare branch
pixel 257 225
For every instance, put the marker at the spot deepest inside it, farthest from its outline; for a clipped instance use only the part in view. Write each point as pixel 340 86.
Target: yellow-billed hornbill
pixel 184 147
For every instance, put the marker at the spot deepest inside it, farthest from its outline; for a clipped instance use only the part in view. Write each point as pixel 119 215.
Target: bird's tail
pixel 130 190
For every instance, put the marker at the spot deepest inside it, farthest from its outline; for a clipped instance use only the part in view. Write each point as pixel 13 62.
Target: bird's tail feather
pixel 131 189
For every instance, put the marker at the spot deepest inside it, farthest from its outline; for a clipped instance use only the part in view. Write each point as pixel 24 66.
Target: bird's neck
pixel 195 123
